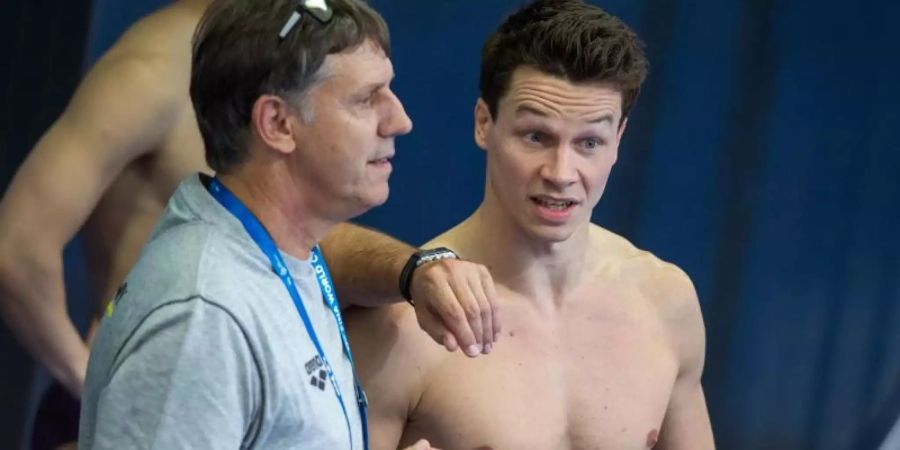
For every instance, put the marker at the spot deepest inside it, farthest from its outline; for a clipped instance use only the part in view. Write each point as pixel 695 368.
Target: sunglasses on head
pixel 319 9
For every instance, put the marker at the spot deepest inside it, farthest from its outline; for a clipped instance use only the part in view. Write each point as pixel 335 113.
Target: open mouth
pixel 554 204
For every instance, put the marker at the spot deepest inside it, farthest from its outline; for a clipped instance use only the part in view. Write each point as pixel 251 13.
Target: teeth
pixel 552 204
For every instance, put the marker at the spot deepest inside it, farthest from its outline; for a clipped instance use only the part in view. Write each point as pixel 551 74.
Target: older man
pixel 227 332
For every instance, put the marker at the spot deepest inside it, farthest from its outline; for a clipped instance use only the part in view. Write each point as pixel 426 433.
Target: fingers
pixel 486 312
pixel 434 327
pixel 421 444
pixel 459 315
pixel 450 342
pixel 456 305
pixel 474 310
pixel 487 282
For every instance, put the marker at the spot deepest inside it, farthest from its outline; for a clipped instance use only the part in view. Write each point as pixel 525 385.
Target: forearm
pixel 33 304
pixel 454 299
pixel 365 265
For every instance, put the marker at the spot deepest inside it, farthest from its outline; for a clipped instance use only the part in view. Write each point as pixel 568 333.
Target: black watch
pixel 417 259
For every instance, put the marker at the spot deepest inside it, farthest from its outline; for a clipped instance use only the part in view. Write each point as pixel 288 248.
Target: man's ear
pixel 622 125
pixel 272 120
pixel 483 123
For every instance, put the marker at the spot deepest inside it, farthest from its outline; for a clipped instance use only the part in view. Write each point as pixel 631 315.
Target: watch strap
pixel 417 259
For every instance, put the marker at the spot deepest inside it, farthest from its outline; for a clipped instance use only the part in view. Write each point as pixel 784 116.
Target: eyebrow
pixel 374 86
pixel 525 109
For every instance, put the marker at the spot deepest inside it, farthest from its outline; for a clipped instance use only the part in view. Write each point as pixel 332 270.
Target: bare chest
pixel 586 380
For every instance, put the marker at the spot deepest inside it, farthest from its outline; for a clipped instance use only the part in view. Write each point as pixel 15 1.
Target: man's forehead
pixel 366 62
pixel 532 92
pixel 589 115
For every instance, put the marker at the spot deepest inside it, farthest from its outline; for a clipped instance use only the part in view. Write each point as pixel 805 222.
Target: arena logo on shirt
pixel 318 379
pixel 313 364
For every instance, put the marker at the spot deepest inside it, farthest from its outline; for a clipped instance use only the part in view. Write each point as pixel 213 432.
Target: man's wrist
pixel 77 371
pixel 416 260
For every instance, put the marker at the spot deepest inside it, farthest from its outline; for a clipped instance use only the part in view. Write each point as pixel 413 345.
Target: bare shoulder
pixel 457 239
pixel 664 285
pixel 660 281
pixel 388 342
pixel 390 331
pixel 158 44
pixel 153 55
pixel 168 30
pixel 148 66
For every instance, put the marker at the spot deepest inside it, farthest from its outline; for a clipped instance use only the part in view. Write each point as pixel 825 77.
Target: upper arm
pixel 186 378
pixel 124 108
pixel 686 424
pixel 392 357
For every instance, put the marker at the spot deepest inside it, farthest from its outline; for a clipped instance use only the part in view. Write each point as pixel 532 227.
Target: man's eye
pixel 591 144
pixel 369 99
pixel 535 137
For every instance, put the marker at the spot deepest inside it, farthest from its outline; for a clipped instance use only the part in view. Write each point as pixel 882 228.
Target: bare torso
pixel 595 372
pixel 128 210
pixel 123 220
pixel 581 379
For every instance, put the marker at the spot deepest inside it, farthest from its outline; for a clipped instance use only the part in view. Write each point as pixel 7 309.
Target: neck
pixel 278 203
pixel 543 271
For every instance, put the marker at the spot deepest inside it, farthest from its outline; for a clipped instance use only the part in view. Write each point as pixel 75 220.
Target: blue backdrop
pixel 763 158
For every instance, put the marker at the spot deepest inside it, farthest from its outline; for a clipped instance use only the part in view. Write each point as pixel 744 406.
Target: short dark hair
pixel 565 38
pixel 238 56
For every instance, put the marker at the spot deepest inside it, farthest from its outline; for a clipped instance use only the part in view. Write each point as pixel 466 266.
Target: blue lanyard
pixel 262 238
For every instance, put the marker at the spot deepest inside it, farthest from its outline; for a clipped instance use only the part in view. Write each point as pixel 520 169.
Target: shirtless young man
pixel 125 141
pixel 603 343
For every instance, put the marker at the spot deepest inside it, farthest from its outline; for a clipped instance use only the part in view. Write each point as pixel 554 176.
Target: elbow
pixel 20 267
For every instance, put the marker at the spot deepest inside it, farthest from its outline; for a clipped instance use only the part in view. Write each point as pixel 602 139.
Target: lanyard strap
pixel 265 243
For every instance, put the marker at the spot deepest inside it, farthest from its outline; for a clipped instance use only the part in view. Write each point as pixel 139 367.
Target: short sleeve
pixel 186 378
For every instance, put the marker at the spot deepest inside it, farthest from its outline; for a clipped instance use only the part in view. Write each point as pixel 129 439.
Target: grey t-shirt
pixel 204 348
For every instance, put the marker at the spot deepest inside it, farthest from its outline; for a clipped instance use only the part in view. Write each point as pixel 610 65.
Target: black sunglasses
pixel 316 8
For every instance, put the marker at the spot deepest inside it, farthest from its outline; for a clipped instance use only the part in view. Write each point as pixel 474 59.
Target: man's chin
pixel 379 196
pixel 552 234
pixel 369 200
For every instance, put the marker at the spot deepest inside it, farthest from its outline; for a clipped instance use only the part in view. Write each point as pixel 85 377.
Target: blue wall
pixel 763 158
